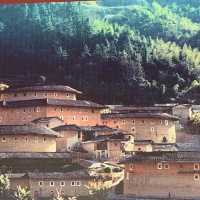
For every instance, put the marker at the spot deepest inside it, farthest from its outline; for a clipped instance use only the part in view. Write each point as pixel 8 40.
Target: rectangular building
pixel 78 112
pixel 163 174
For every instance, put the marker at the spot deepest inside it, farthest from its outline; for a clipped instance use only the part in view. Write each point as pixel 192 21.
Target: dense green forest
pixel 115 51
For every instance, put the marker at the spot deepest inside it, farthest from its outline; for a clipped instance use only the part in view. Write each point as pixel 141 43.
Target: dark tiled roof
pixel 61 88
pixel 130 109
pixel 46 119
pixel 26 129
pixel 165 147
pixel 179 156
pixel 139 115
pixel 113 137
pixel 80 174
pixel 143 141
pixel 72 127
pixel 46 101
pixel 16 175
pixel 97 128
pixel 34 155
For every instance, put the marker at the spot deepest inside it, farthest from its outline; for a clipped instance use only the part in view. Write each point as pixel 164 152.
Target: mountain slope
pixel 128 53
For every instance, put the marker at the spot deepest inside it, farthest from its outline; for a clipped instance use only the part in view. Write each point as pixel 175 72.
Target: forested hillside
pixel 115 51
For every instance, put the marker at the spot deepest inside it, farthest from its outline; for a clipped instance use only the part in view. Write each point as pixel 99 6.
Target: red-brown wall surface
pixel 145 128
pixel 75 115
pixel 143 178
pixel 70 115
pixel 37 94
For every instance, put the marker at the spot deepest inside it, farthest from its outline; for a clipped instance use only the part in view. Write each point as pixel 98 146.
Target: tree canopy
pixel 130 51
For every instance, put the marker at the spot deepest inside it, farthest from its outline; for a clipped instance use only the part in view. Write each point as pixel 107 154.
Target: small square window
pixel 51 183
pixel 196 177
pixel 159 166
pixel 73 183
pixel 133 129
pixel 166 166
pixel 40 183
pixel 44 139
pixel 3 139
pixel 143 121
pixel 73 118
pixel 78 183
pixel 196 166
pixel 133 121
pixel 86 118
pixel 62 183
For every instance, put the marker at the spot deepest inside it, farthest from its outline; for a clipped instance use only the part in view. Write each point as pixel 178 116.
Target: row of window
pixel 196 177
pixel 62 110
pixel 62 183
pixel 36 109
pixel 4 139
pixel 162 122
pixel 83 118
pixel 162 166
pixel 152 129
pixel 45 94
pixel 166 166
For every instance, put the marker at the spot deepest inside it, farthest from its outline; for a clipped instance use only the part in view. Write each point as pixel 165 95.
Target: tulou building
pixel 150 129
pixel 27 138
pixel 23 105
pixel 49 138
pixel 163 175
pixel 40 126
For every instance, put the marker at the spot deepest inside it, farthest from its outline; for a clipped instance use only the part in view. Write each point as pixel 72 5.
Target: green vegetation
pixel 22 193
pixel 130 51
pixel 107 170
pixel 7 194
